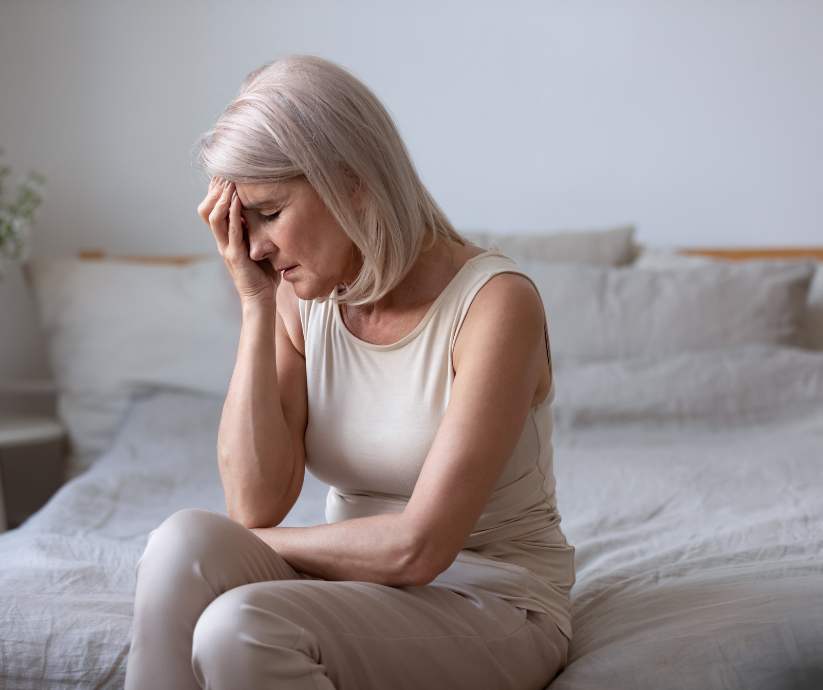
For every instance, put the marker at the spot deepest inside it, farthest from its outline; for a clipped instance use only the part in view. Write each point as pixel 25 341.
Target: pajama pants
pixel 217 608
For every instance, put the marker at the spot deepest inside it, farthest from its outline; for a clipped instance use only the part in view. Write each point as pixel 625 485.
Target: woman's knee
pixel 189 535
pixel 242 632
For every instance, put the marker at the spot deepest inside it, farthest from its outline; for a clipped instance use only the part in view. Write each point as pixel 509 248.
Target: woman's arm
pixel 255 452
pixel 377 548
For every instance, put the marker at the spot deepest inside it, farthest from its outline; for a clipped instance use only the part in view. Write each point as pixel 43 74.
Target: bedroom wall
pixel 698 122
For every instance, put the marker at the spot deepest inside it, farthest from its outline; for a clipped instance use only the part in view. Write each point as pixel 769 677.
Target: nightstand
pixel 32 465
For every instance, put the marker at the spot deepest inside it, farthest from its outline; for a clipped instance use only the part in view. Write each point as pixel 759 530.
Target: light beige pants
pixel 217 608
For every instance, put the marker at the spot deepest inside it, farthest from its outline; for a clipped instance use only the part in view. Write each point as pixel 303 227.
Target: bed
pixel 688 468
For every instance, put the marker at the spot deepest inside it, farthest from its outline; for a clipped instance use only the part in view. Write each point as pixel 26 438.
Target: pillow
pixel 720 387
pixel 665 259
pixel 599 313
pixel 612 247
pixel 114 328
pixel 812 322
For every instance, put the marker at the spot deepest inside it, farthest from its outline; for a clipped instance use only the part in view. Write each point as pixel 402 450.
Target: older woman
pixel 405 367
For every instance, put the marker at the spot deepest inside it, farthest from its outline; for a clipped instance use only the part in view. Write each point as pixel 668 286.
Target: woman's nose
pixel 259 248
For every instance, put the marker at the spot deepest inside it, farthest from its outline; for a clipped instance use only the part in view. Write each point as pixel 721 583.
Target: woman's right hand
pixel 222 211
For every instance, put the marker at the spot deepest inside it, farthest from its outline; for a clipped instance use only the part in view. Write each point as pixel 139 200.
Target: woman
pixel 406 368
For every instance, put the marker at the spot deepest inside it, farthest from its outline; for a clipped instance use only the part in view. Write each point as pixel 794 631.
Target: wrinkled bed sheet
pixel 695 508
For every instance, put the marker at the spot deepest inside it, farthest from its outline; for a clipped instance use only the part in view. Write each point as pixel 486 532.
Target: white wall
pixel 700 122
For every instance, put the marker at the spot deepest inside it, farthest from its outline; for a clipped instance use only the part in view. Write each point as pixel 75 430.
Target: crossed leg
pixel 217 608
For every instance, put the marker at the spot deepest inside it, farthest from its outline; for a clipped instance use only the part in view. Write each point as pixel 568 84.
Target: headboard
pixel 727 253
pixel 178 259
pixel 743 253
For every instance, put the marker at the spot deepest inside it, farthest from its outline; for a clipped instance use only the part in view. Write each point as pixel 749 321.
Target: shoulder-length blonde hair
pixel 302 115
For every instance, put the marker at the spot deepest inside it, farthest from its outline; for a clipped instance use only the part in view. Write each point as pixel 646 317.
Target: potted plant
pixel 17 217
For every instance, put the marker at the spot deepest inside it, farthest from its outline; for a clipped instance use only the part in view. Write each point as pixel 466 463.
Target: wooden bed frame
pixel 743 253
pixel 726 253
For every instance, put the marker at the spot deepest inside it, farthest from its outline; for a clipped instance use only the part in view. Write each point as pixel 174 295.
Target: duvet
pixel 691 487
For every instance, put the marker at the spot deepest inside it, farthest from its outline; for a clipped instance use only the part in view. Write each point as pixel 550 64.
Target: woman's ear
pixel 359 196
pixel 356 189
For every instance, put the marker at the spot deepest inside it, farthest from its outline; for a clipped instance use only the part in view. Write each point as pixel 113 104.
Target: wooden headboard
pixel 742 253
pixel 729 254
pixel 179 259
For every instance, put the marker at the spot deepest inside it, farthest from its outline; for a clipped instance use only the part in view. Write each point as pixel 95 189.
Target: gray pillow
pixel 812 327
pixel 600 313
pixel 609 247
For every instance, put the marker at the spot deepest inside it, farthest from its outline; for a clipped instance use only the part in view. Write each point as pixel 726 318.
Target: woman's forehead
pixel 259 193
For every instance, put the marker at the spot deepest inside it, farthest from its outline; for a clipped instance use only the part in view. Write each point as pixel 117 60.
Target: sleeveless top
pixel 373 412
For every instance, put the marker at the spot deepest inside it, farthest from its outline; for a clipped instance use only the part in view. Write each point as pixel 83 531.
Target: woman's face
pixel 300 230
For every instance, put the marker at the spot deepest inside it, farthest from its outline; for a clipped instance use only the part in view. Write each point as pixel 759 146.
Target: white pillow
pixel 611 247
pixel 664 259
pixel 812 323
pixel 599 313
pixel 114 328
pixel 739 384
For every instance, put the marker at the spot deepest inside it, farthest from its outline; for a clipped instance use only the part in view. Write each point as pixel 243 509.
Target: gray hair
pixel 304 116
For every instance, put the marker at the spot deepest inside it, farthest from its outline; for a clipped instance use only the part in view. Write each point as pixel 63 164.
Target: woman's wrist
pixel 254 306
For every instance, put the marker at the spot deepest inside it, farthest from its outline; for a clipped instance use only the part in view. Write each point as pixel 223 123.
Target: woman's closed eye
pixel 271 216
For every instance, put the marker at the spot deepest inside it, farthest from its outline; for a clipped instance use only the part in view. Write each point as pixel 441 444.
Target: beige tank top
pixel 373 412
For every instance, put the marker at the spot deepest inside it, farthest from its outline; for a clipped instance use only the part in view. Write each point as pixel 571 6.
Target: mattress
pixel 695 511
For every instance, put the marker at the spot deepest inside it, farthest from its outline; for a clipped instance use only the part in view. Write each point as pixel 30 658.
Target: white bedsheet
pixel 699 538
